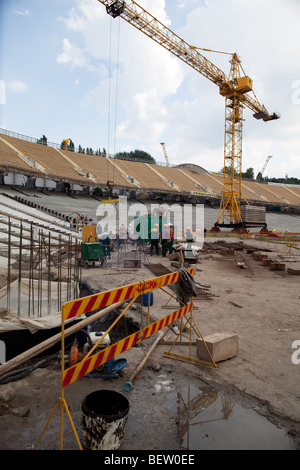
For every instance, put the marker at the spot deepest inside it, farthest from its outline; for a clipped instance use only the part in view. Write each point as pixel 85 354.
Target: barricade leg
pixel 63 407
pixel 191 321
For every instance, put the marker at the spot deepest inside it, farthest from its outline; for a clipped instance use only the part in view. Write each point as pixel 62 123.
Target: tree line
pixel 249 174
pixel 136 155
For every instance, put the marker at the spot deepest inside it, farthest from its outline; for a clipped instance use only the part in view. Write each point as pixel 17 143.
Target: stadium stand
pixel 99 167
pixel 49 159
pixel 288 195
pixel 260 192
pixel 144 173
pixel 268 192
pixel 28 157
pixel 207 182
pixel 9 159
pixel 179 178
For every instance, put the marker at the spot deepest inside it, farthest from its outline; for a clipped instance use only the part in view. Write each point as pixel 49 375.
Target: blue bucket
pixel 145 298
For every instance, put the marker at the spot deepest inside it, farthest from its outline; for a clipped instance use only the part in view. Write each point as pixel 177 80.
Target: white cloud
pixel 22 12
pixel 16 86
pixel 74 56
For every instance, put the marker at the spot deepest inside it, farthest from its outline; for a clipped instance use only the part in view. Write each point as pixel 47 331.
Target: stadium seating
pixel 9 159
pixel 49 159
pixel 95 171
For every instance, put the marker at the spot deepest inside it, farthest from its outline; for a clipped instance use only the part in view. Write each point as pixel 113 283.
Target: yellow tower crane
pixel 235 88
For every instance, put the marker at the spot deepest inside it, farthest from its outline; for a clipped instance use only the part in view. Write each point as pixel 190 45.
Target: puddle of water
pixel 210 420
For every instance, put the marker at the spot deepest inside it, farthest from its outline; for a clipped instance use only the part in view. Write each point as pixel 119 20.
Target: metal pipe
pixel 8 267
pixel 30 279
pixel 20 268
pixel 49 273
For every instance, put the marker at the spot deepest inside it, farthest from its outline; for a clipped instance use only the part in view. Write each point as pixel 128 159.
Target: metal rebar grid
pixel 42 268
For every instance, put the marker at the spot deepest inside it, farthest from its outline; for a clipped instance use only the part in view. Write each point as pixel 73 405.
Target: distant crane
pixel 165 153
pixel 235 88
pixel 259 175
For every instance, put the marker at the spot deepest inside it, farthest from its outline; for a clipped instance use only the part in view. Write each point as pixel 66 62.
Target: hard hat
pixel 155 225
pixel 188 228
pixel 165 225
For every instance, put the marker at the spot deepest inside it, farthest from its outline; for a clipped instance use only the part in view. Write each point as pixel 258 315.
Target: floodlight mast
pixel 234 89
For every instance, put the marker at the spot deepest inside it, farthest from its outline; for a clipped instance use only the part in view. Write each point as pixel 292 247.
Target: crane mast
pixel 234 89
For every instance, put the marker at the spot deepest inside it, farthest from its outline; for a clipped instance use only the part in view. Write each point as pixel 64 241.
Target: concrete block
pixel 294 269
pixel 257 255
pixel 221 346
pixel 132 263
pixel 275 265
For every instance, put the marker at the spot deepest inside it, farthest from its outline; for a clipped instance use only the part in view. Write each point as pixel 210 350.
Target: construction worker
pixel 154 239
pixel 171 239
pixel 105 239
pixel 165 240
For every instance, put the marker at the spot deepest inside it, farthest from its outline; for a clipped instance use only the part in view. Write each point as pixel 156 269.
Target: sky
pixel 69 70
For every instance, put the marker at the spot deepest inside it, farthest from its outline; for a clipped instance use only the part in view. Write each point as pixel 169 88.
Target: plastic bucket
pixel 145 298
pixel 104 417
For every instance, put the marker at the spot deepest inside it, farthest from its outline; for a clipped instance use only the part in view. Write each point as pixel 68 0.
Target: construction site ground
pixel 179 405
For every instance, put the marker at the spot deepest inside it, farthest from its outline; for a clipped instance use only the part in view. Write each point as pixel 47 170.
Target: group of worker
pixel 84 220
pixel 166 239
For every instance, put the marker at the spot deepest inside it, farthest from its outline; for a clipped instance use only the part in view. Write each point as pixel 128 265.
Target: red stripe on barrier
pixel 128 293
pixel 68 377
pixel 74 309
pixel 99 358
pixel 166 281
pixel 84 368
pixel 153 329
pixel 125 344
pixel 117 295
pixel 166 322
pixel 90 304
pixel 160 324
pixel 112 352
pixel 145 335
pixel 135 339
pixel 173 317
pixel 104 300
